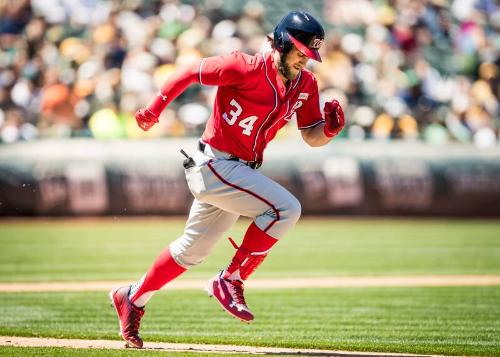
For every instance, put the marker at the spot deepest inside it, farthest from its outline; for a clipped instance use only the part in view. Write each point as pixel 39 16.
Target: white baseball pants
pixel 224 190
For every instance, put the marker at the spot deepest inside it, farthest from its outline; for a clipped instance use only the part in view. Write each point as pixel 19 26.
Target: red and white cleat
pixel 229 294
pixel 129 316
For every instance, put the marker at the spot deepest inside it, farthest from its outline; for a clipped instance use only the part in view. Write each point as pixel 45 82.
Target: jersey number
pixel 246 124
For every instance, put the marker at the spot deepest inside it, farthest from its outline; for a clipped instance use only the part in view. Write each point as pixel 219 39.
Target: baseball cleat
pixel 229 294
pixel 129 316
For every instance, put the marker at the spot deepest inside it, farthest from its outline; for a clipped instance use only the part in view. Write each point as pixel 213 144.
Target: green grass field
pixel 419 320
pixel 123 249
pixel 433 320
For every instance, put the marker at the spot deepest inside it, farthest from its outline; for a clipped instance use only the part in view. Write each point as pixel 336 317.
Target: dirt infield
pixel 184 347
pixel 282 283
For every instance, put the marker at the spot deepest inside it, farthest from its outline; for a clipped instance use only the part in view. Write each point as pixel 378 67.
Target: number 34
pixel 246 124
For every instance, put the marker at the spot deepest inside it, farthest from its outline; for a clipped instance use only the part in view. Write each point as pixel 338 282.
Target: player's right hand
pixel 145 119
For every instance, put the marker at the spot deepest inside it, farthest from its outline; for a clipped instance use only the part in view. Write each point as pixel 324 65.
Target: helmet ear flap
pixel 282 42
pixel 278 40
pixel 287 44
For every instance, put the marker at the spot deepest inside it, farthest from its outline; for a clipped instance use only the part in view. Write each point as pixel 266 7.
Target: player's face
pixel 293 63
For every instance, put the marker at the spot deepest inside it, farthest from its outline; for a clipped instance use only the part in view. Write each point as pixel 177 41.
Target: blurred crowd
pixel 403 69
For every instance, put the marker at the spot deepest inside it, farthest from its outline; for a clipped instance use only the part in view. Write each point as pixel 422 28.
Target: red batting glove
pixel 145 119
pixel 334 118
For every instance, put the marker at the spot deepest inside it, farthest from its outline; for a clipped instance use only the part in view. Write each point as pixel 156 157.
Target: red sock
pixel 163 270
pixel 256 240
pixel 251 253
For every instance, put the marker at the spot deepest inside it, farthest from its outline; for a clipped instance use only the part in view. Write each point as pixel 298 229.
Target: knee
pixel 185 252
pixel 292 210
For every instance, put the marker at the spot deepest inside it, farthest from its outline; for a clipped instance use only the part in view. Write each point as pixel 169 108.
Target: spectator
pixel 404 69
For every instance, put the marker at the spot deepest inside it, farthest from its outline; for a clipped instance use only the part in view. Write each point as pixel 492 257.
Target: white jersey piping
pixel 312 125
pixel 199 71
pixel 269 115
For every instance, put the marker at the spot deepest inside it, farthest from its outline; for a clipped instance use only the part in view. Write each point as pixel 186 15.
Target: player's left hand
pixel 145 119
pixel 334 118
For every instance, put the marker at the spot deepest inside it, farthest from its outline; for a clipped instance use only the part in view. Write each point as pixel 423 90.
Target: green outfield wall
pixel 91 177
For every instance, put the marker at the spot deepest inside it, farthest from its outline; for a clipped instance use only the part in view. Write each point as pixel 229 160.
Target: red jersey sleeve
pixel 309 113
pixel 226 70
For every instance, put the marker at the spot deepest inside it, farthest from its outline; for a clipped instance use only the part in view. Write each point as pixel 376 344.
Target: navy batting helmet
pixel 302 30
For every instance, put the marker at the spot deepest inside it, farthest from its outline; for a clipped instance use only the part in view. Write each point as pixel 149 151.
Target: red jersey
pixel 252 103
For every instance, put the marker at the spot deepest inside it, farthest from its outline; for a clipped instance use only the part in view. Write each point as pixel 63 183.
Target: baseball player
pixel 257 95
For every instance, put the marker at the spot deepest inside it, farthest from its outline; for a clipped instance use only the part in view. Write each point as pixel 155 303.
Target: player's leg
pixel 204 227
pixel 239 189
pixel 227 286
pixel 235 187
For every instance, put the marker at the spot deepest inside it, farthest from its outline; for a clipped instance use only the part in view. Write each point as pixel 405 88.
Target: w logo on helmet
pixel 317 43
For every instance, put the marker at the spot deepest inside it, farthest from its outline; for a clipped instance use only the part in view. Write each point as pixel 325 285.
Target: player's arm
pixel 219 70
pixel 315 136
pixel 172 88
pixel 322 133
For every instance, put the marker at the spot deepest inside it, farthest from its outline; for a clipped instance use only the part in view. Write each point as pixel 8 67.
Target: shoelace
pixel 235 263
pixel 236 290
